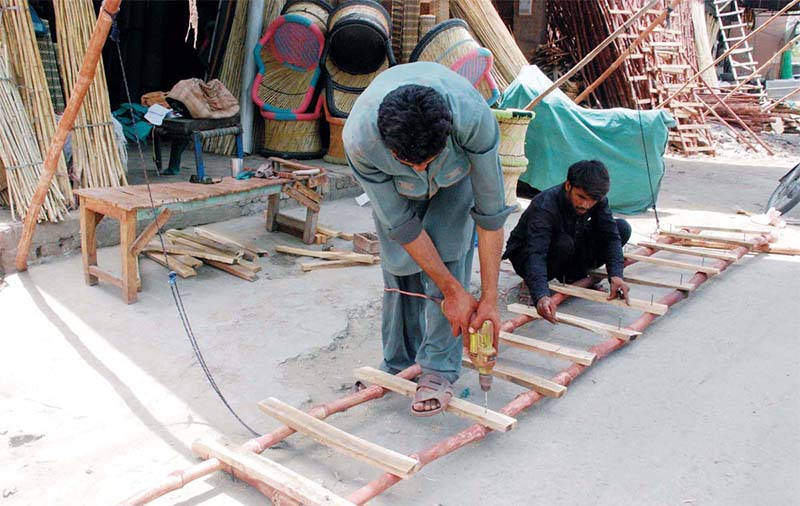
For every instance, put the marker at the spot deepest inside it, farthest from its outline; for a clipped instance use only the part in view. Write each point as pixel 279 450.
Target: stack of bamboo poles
pixel 744 105
pixel 19 153
pixel 27 66
pixel 95 156
pixel 231 74
pixel 492 33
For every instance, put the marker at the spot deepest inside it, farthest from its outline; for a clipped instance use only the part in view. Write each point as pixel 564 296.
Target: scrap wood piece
pixel 291 221
pixel 173 263
pixel 603 329
pixel 530 381
pixel 239 271
pixel 150 231
pixel 296 227
pixel 190 261
pixel 684 250
pixel 752 231
pixel 389 460
pixel 581 357
pixel 598 296
pixel 329 264
pixel 329 255
pixel 199 246
pixel 644 281
pixel 459 407
pixel 309 193
pixel 301 198
pixel 216 236
pixel 711 271
pixel 185 250
pixel 209 243
pixel 281 478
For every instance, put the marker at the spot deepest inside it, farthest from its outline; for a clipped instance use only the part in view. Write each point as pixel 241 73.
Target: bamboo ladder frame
pixel 285 487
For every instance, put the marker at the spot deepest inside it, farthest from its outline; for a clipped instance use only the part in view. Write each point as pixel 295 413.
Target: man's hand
pixel 546 309
pixel 487 310
pixel 618 289
pixel 458 307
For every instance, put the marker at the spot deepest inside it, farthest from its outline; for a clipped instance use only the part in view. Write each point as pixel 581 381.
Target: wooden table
pixel 129 203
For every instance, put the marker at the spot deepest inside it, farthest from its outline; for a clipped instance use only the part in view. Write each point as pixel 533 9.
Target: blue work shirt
pixel 441 200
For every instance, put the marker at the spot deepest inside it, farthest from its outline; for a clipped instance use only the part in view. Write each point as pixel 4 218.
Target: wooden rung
pixel 459 407
pixel 576 321
pixel 683 250
pixel 711 271
pixel 328 435
pixel 329 255
pixel 752 231
pixel 105 276
pixel 602 297
pixel 523 379
pixel 708 238
pixel 581 357
pixel 694 126
pixel 328 264
pixel 709 149
pixel 639 280
pixel 288 482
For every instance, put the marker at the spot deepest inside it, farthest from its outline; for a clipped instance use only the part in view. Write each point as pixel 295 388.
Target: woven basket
pixel 297 138
pixel 287 57
pixel 358 36
pixel 335 152
pixel 513 125
pixel 316 11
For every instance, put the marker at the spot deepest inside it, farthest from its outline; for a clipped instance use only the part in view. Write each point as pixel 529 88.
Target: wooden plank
pixel 711 271
pixel 237 270
pixel 183 241
pixel 187 260
pixel 213 245
pixel 603 329
pixel 328 264
pixel 309 193
pixel 288 482
pixel 684 250
pixel 216 236
pixel 301 198
pixel 644 281
pixel 752 231
pixel 459 407
pixel 328 435
pixel 709 238
pixel 185 250
pixel 329 255
pixel 522 378
pixel 582 357
pixel 602 297
pixel 104 276
pixel 150 231
pixel 174 263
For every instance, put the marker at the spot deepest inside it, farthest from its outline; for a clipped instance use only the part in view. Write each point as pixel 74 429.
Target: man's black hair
pixel 414 122
pixel 591 176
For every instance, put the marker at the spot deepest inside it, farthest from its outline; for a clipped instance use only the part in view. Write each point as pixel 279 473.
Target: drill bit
pixel 485 402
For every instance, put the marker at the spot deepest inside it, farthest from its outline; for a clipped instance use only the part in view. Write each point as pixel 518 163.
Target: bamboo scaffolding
pixel 95 157
pixel 26 63
pixel 20 153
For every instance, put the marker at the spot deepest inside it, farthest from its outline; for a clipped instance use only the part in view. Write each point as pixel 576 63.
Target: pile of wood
pixel 744 105
pixel 790 116
pixel 330 259
pixel 188 249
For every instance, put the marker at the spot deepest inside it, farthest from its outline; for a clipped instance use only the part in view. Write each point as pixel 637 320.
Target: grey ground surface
pixel 99 400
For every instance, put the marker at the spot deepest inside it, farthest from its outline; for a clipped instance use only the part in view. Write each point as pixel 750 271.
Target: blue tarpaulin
pixel 562 133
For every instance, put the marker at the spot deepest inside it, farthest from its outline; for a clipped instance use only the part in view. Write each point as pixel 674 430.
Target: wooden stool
pixel 305 188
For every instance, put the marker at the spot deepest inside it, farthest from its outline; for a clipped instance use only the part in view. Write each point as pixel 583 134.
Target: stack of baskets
pixel 286 87
pixel 513 128
pixel 358 49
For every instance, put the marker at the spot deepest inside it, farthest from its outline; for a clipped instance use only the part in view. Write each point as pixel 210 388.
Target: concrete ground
pixel 99 400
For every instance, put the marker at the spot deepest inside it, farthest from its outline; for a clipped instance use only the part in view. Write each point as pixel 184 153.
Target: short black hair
pixel 591 176
pixel 414 122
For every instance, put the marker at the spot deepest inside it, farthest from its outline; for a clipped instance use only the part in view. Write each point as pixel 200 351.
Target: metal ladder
pixel 732 29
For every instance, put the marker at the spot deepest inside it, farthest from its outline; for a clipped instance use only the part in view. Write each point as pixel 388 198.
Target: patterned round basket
pixel 358 36
pixel 316 11
pixel 297 138
pixel 335 152
pixel 288 58
pixel 513 125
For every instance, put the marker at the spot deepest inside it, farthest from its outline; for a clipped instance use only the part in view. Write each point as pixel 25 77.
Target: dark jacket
pixel 551 214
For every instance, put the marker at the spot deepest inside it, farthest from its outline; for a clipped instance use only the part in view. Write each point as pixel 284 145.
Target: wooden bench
pixel 129 203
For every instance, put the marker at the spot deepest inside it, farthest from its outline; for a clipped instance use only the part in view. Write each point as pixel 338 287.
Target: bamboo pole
pixel 591 56
pixel 621 59
pixel 108 10
pixel 728 52
pixel 790 94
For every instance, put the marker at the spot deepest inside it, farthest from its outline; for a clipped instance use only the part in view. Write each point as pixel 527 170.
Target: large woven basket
pixel 316 11
pixel 298 138
pixel 335 152
pixel 513 125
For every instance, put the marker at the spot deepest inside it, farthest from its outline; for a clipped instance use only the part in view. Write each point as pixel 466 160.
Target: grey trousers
pixel 415 329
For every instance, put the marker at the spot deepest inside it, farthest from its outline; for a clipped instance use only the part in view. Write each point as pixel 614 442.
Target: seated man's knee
pixel 624 230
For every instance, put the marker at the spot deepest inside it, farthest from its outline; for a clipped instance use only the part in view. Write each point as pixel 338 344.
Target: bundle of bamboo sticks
pixel 95 157
pixel 26 63
pixel 231 74
pixel 19 152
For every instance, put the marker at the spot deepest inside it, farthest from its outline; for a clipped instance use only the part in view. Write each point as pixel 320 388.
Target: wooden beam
pixel 582 357
pixel 239 271
pixel 603 329
pixel 602 297
pixel 173 263
pixel 329 255
pixel 640 280
pixel 683 250
pixel 105 276
pixel 459 407
pixel 328 264
pixel 523 379
pixel 150 231
pixel 214 236
pixel 185 250
pixel 752 231
pixel 711 271
pixel 328 435
pixel 720 240
pixel 288 482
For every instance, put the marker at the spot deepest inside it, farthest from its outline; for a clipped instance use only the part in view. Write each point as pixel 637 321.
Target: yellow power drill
pixel 482 354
